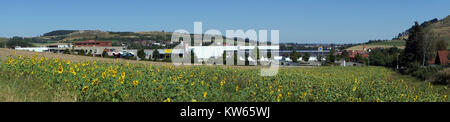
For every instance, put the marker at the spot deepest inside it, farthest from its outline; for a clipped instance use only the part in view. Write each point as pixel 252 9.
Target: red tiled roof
pixel 365 55
pixel 443 58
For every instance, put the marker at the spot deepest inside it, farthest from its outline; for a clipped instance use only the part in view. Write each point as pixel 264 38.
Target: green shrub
pixel 426 72
pixel 442 77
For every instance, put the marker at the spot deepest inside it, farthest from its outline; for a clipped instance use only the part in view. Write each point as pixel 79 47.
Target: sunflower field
pixel 119 81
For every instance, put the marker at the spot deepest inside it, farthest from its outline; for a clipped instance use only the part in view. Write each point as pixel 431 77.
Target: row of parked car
pixel 121 54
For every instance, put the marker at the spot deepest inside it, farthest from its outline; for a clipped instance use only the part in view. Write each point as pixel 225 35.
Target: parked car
pixel 123 54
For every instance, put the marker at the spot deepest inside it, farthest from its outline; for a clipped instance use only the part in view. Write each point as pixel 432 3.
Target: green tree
pixel 413 48
pixel 155 55
pixel 257 56
pixel 345 56
pixel 89 53
pixel 104 53
pixel 81 52
pixel 224 57
pixel 246 55
pixel 377 57
pixel 66 51
pixel 306 57
pixel 141 54
pixel 235 58
pixel 18 41
pixel 294 56
pixel 319 58
pixel 441 45
pixel 359 59
pixel 331 57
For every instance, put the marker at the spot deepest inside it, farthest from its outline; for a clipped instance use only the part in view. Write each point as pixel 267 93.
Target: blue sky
pixel 302 21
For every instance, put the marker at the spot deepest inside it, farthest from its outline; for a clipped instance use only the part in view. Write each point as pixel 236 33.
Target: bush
pixel 155 55
pixel 442 77
pixel 141 54
pixel 104 53
pixel 81 52
pixel 130 57
pixel 426 72
pixel 411 67
pixel 67 51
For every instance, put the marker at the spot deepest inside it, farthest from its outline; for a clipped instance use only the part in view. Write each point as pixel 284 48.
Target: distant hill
pixel 440 30
pixel 81 35
pixel 118 38
pixel 434 29
pixel 59 32
pixel 3 39
pixel 382 44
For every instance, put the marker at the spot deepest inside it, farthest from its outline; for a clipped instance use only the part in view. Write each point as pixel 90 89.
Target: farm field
pixel 397 43
pixel 34 77
pixel 4 53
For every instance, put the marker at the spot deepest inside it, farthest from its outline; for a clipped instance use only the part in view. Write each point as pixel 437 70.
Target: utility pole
pixel 397 61
pixel 368 64
pixel 423 60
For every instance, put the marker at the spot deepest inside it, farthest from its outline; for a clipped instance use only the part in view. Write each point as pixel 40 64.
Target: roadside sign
pixel 320 49
pixel 168 51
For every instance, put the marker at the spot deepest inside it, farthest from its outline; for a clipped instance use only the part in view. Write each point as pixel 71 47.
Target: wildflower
pixel 103 75
pixel 279 97
pixel 115 92
pixel 303 95
pixel 60 69
pixel 95 82
pixel 135 82
pixel 237 88
pixel 73 71
pixel 167 100
pixel 204 94
pixel 354 88
pixel 378 99
pixel 10 60
pixel 121 80
pixel 122 75
pixel 221 83
pixel 85 89
pixel 114 73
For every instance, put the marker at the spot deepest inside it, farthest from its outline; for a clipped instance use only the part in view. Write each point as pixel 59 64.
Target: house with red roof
pixel 441 58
